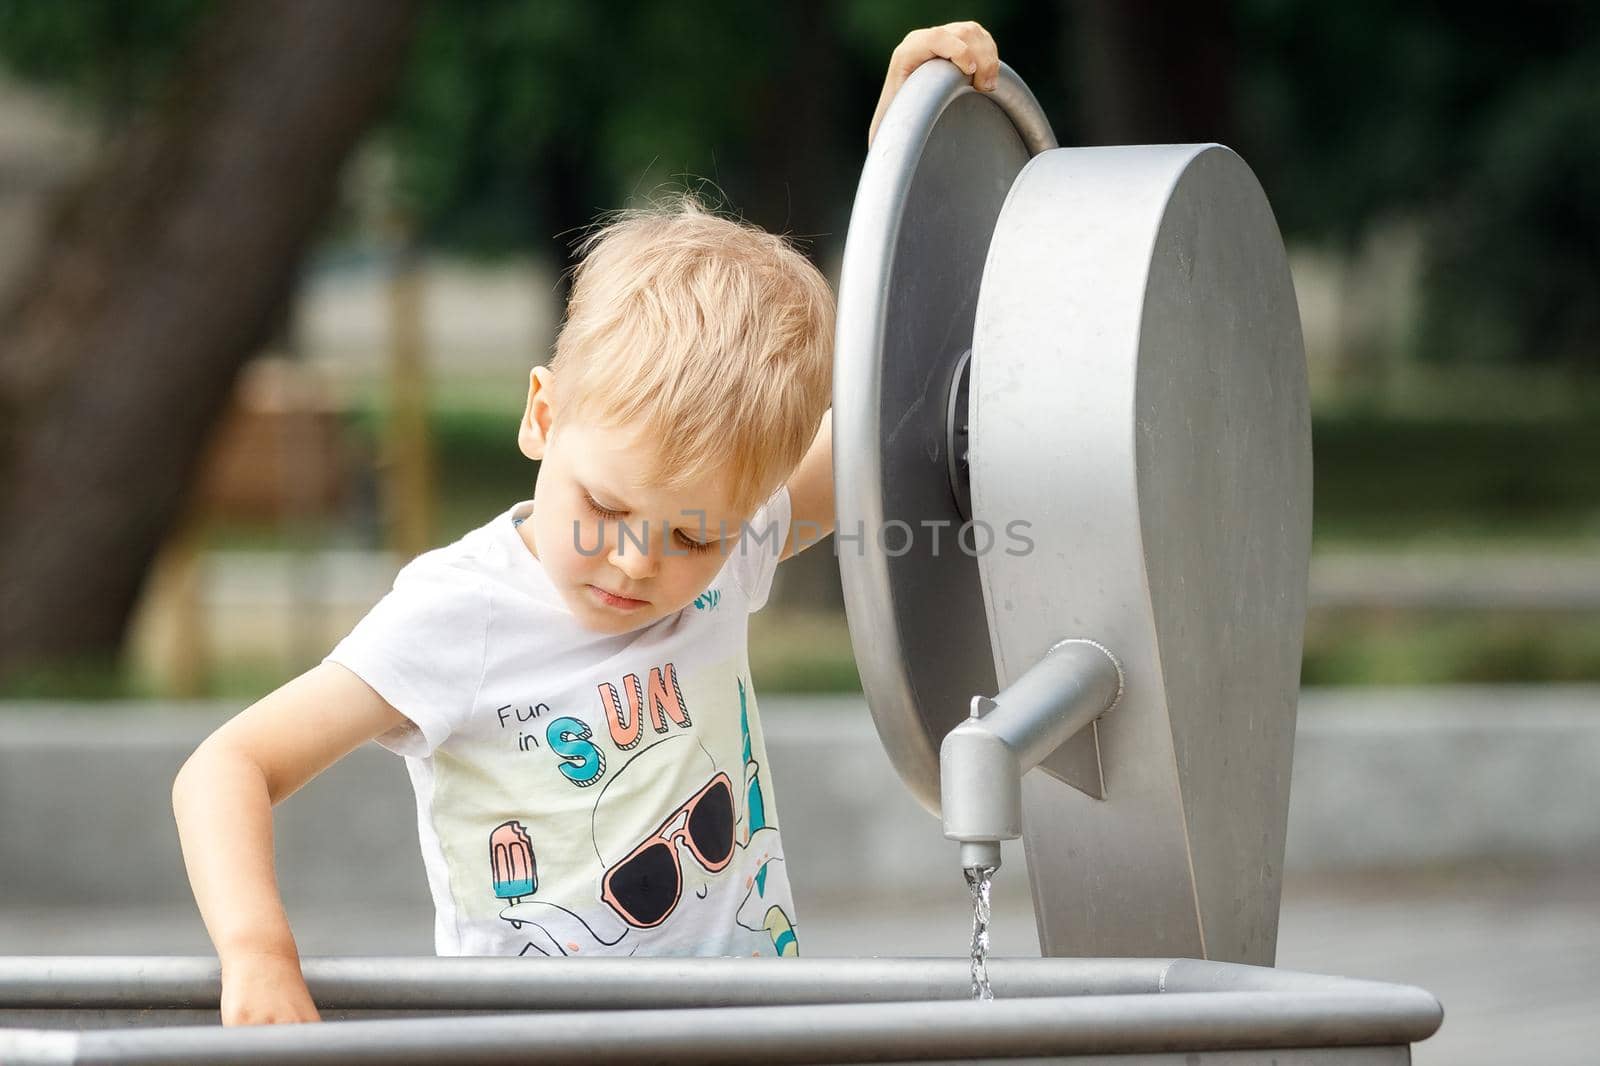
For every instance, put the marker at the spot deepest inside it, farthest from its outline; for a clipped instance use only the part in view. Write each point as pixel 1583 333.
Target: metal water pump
pixel 1090 360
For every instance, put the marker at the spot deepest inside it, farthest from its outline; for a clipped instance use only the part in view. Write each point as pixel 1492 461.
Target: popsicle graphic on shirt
pixel 511 861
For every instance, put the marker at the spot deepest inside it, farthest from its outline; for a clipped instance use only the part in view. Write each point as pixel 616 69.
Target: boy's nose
pixel 635 556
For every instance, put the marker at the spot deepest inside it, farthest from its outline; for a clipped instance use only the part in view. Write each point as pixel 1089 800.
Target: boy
pixel 569 682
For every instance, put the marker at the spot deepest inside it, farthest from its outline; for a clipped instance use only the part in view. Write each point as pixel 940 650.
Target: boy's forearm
pixel 223 809
pixel 811 497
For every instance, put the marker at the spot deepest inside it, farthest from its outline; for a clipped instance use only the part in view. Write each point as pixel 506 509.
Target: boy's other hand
pixel 264 989
pixel 966 44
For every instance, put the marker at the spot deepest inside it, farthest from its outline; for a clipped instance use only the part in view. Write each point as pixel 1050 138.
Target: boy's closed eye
pixel 689 543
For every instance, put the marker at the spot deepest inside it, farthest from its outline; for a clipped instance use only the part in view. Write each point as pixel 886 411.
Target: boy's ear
pixel 533 434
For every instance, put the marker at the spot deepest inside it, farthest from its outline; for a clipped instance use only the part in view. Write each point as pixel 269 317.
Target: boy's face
pixel 597 530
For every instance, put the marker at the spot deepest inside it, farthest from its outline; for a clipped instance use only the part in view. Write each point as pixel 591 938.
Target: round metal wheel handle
pixel 931 189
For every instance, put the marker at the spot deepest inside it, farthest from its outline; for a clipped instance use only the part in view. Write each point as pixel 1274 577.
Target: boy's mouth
pixel 611 599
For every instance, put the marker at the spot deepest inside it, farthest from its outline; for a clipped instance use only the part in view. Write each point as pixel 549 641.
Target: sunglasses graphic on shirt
pixel 645 887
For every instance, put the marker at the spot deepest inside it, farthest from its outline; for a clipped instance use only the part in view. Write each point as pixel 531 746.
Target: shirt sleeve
pixel 422 648
pixel 755 557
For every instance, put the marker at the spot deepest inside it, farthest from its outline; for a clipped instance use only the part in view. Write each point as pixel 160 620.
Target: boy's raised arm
pixel 811 507
pixel 222 800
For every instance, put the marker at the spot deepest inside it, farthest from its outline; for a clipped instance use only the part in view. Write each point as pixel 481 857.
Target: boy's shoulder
pixel 424 645
pixel 455 584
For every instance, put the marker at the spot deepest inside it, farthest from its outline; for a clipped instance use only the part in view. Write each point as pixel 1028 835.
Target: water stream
pixel 979 880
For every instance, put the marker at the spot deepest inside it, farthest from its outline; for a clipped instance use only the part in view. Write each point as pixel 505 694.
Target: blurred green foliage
pixel 112 56
pixel 519 120
pixel 1482 121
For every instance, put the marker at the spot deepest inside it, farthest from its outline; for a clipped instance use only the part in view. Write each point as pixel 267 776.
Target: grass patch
pixel 1394 647
pixel 793 651
pixel 811 651
pixel 801 651
pixel 1379 479
pixel 1392 481
pixel 89 679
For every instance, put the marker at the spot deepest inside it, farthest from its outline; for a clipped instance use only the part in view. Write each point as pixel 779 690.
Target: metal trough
pixel 97 1010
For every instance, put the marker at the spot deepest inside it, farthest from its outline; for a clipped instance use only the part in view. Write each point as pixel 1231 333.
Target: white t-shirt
pixel 581 793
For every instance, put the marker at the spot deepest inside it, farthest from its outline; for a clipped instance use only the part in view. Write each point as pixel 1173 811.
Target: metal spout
pixel 982 760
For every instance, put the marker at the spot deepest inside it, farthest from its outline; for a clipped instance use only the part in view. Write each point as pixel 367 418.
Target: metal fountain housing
pixel 1135 443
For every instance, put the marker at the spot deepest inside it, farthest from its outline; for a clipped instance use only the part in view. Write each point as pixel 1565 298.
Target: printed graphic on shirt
pixel 582 759
pixel 634 819
pixel 665 702
pixel 644 886
pixel 644 881
pixel 773 920
pixel 511 861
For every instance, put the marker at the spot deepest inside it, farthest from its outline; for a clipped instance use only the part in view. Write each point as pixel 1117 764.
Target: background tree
pixel 516 122
pixel 159 276
pixel 1480 123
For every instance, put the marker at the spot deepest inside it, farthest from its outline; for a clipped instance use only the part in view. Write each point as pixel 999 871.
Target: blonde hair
pixel 712 337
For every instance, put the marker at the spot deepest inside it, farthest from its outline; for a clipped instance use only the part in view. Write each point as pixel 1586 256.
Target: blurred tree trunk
pixel 161 275
pixel 1153 72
